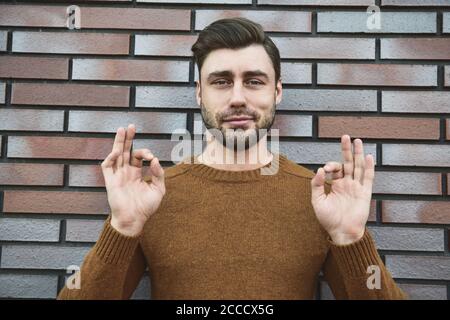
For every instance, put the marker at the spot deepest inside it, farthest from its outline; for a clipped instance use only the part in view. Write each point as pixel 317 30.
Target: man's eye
pixel 254 82
pixel 221 82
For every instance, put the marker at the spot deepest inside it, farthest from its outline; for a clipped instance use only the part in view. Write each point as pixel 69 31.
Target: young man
pixel 209 229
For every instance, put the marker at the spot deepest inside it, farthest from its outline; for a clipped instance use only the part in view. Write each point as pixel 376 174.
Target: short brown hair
pixel 234 33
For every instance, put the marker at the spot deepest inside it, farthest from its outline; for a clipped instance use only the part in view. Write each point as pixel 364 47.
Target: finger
pixel 118 146
pixel 347 156
pixel 157 173
pixel 333 166
pixel 139 155
pixel 359 160
pixel 369 172
pixel 108 164
pixel 317 184
pixel 334 175
pixel 131 131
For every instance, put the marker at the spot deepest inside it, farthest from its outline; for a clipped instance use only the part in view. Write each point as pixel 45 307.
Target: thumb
pixel 317 184
pixel 157 172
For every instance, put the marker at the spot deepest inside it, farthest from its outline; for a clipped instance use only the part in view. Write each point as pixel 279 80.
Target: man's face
pixel 240 85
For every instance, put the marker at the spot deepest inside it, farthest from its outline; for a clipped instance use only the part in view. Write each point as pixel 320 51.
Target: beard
pixel 235 138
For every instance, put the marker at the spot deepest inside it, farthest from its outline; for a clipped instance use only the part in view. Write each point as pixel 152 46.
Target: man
pixel 209 229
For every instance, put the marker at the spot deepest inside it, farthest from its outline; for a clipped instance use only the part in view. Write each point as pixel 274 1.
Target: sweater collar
pixel 202 170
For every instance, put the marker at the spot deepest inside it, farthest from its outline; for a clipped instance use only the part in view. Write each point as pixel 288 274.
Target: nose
pixel 237 96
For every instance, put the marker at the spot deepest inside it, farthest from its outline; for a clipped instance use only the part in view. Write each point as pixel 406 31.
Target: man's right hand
pixel 131 199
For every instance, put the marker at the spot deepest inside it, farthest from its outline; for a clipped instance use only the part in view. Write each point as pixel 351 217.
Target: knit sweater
pixel 222 234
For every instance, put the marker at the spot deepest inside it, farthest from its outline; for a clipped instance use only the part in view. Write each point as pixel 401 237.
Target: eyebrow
pixel 227 73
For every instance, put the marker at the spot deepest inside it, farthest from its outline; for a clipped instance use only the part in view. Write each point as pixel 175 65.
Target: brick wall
pixel 64 92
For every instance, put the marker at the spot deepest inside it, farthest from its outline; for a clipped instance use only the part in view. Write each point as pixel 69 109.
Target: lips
pixel 238 119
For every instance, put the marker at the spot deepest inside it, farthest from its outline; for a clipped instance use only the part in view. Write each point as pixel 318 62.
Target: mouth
pixel 239 121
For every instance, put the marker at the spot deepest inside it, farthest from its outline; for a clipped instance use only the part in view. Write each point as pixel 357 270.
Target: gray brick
pixel 12 229
pixel 83 230
pixel 416 155
pixel 424 3
pixel 32 120
pixel 407 183
pixel 328 100
pixel 166 97
pixel 2 92
pixel 325 48
pixel 325 291
pixel 28 286
pixel 419 267
pixel 391 22
pixel 416 101
pixel 446 22
pixel 42 257
pixel 143 290
pixel 108 121
pixel 3 40
pixel 424 291
pixel 418 239
pixel 164 45
pixel 317 153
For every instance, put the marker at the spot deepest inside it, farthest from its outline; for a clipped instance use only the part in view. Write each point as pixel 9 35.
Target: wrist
pixel 342 239
pixel 126 228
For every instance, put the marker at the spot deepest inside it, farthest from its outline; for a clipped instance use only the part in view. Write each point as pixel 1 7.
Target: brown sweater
pixel 232 235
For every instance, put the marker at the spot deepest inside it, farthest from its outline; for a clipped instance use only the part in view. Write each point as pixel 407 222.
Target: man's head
pixel 239 77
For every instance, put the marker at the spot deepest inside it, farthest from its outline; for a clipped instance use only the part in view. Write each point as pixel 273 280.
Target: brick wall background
pixel 64 92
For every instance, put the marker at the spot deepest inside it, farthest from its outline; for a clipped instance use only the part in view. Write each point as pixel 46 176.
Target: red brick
pixel 33 67
pixel 55 202
pixel 421 183
pixel 71 42
pixel 164 45
pixel 31 120
pixel 318 2
pixel 447 129
pixel 70 94
pixel 413 48
pixel 379 127
pixel 376 74
pixel 107 121
pixel 59 147
pixel 325 48
pixel 130 70
pixel 96 17
pixel 406 211
pixel 31 174
pixel 416 101
pixel 280 21
pixel 79 148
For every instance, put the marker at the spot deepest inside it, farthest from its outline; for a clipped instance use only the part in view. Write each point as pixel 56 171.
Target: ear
pixel 278 92
pixel 198 93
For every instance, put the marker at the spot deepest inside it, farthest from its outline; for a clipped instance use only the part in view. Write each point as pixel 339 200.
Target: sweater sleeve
pixel 352 271
pixel 112 269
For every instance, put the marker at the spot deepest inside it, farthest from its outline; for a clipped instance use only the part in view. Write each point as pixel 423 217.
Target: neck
pixel 217 156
